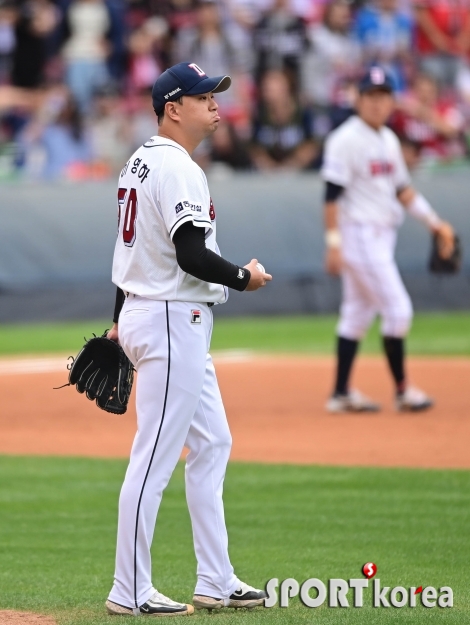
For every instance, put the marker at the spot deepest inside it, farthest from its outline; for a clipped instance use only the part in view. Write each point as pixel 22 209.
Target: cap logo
pixel 377 76
pixel 168 95
pixel 197 69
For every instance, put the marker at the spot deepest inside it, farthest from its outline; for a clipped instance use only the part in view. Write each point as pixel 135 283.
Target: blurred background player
pixel 367 188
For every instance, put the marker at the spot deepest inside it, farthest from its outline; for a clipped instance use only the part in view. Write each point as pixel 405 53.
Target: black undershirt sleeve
pixel 120 297
pixel 194 258
pixel 332 191
pixel 402 188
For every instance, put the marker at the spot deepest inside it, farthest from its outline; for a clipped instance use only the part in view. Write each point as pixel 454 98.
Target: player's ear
pixel 171 109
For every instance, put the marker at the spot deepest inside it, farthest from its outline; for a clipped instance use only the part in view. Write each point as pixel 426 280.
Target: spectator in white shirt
pixel 334 55
pixel 87 49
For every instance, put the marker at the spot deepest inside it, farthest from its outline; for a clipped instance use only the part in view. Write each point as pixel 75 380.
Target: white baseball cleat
pixel 354 401
pixel 244 597
pixel 413 400
pixel 157 605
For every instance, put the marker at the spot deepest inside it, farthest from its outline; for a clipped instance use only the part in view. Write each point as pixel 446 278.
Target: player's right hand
pixel 445 239
pixel 333 261
pixel 113 334
pixel 258 278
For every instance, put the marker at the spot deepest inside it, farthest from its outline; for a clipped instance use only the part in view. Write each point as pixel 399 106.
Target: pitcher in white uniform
pixel 169 274
pixel 368 189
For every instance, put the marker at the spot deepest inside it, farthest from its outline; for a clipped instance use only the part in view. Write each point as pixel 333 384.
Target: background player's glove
pixel 104 372
pixel 451 262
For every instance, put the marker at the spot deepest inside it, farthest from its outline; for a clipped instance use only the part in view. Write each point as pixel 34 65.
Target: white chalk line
pixel 52 364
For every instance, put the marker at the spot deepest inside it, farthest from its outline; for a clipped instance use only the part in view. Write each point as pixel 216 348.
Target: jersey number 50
pixel 130 216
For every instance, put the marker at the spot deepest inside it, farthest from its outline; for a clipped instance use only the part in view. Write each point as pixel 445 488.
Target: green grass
pixel 438 334
pixel 58 525
pixel 432 334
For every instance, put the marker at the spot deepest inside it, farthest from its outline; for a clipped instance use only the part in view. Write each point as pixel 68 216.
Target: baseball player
pixel 367 188
pixel 169 274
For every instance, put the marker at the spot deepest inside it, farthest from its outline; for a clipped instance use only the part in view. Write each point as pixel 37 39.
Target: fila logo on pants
pixel 195 316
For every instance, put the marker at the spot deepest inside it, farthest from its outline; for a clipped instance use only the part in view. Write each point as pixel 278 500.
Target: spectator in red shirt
pixel 442 37
pixel 431 123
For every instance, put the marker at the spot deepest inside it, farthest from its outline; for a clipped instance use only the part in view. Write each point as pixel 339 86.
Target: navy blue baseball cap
pixel 185 79
pixel 376 79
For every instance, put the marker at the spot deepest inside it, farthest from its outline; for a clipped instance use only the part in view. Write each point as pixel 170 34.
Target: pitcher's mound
pixel 25 618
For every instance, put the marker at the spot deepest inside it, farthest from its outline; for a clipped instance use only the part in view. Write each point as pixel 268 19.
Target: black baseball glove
pixel 104 372
pixel 450 264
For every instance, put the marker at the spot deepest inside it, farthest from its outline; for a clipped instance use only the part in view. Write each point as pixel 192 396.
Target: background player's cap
pixel 185 79
pixel 376 78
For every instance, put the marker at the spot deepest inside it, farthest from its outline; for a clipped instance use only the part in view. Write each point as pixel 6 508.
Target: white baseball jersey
pixel 370 166
pixel 161 188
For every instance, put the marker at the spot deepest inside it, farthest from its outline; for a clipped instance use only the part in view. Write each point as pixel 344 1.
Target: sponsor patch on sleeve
pixel 197 208
pixel 185 205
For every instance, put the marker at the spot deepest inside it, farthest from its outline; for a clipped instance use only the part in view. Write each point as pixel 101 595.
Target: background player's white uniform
pixel 370 166
pixel 165 329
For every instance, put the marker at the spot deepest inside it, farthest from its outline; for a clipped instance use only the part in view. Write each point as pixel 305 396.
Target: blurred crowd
pixel 76 77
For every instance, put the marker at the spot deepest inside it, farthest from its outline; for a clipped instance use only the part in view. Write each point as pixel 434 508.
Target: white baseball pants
pixel 372 283
pixel 178 403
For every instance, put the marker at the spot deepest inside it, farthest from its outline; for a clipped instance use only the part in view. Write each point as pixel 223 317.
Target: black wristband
pixel 194 258
pixel 120 297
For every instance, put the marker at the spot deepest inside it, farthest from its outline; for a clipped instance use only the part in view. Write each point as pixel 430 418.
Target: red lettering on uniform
pixel 378 168
pixel 121 197
pixel 212 211
pixel 130 217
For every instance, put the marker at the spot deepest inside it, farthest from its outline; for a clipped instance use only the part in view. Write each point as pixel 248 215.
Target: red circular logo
pixel 369 569
pixel 212 211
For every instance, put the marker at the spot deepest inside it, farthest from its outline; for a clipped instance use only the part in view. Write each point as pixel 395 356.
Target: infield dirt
pixel 275 410
pixel 11 617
